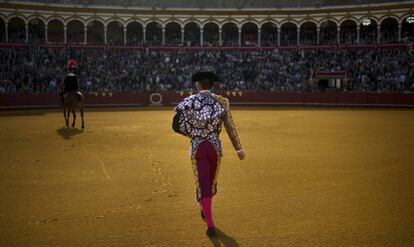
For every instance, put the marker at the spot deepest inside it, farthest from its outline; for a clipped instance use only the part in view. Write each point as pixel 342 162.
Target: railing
pixel 212 4
pixel 48 100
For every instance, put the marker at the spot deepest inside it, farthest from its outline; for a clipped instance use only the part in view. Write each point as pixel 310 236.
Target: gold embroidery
pixel 214 184
pixel 195 170
pixel 229 123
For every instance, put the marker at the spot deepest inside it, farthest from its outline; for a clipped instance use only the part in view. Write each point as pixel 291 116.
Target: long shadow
pixel 222 239
pixel 67 133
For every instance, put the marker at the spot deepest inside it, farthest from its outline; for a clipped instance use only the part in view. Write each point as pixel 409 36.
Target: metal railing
pixel 212 4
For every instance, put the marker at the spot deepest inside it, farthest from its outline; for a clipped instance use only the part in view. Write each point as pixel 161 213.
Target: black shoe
pixel 202 215
pixel 211 232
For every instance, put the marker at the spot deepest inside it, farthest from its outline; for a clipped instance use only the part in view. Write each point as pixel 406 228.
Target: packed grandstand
pixel 252 45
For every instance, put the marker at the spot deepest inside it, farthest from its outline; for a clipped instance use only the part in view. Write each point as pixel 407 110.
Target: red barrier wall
pixel 47 100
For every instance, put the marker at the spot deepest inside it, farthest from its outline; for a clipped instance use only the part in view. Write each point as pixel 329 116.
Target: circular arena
pixel 321 94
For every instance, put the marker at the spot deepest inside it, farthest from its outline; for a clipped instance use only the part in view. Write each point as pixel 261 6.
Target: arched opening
pixel 407 29
pixel 328 33
pixel 249 34
pixel 211 34
pixel 308 33
pixel 348 32
pixel 75 32
pixel 2 30
pixel 269 34
pixel 135 34
pixel 368 31
pixel 288 34
pixel 36 31
pixel 389 30
pixel 95 33
pixel 55 31
pixel 192 34
pixel 115 33
pixel 154 33
pixel 230 34
pixel 17 30
pixel 173 34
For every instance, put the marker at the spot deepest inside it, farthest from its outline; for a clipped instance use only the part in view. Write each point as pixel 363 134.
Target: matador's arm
pixel 229 123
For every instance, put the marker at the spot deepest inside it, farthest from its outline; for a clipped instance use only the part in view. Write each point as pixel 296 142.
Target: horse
pixel 71 101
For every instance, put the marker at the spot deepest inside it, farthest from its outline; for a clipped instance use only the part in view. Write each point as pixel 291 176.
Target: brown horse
pixel 73 100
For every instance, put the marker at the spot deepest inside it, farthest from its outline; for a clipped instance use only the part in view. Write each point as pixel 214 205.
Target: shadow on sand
pixel 67 133
pixel 223 240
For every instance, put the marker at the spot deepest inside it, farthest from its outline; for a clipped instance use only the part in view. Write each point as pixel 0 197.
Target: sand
pixel 312 177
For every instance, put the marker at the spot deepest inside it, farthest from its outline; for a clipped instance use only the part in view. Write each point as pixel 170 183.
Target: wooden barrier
pixel 48 100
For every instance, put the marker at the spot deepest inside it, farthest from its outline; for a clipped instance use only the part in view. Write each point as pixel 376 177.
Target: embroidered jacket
pixel 200 117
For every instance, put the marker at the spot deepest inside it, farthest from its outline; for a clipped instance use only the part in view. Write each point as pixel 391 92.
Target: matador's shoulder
pixel 223 101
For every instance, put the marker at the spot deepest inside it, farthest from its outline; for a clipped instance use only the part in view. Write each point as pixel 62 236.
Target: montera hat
pixel 205 75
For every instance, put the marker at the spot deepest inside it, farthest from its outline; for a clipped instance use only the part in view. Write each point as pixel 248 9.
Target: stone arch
pixel 56 30
pixel 95 32
pixel 230 34
pixel 368 33
pixel 192 34
pixel 288 33
pixel 249 33
pixel 115 32
pixel 173 33
pixel 269 33
pixel 407 29
pixel 153 32
pixel 75 31
pixel 135 33
pixel 389 30
pixel 328 31
pixel 308 33
pixel 349 31
pixel 211 34
pixel 2 29
pixel 16 29
pixel 36 30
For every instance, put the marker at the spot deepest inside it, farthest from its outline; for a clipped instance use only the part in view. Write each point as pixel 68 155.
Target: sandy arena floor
pixel 312 177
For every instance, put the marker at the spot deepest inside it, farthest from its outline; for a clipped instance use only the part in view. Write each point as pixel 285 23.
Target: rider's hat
pixel 72 64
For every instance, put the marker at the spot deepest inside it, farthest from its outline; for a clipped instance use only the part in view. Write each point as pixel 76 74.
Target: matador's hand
pixel 241 154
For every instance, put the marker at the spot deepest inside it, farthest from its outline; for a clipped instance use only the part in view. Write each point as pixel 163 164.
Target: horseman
pixel 70 83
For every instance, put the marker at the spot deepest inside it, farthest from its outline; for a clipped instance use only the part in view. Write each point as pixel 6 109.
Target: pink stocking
pixel 206 207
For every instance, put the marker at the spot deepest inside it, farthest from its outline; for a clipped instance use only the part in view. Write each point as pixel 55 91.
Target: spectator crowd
pixel 41 69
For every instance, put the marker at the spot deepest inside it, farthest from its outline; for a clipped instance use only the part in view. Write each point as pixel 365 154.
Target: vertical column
pixel 85 35
pixel 7 31
pixel 298 36
pixel 182 36
pixel 125 36
pixel 378 33
pixel 338 36
pixel 399 31
pixel 144 35
pixel 27 32
pixel 163 36
pixel 259 37
pixel 240 32
pixel 358 34
pixel 46 37
pixel 318 32
pixel 65 34
pixel 220 38
pixel 201 37
pixel 278 37
pixel 105 35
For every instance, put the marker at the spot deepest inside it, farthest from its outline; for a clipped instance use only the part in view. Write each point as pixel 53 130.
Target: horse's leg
pixel 74 117
pixel 64 115
pixel 81 112
pixel 68 114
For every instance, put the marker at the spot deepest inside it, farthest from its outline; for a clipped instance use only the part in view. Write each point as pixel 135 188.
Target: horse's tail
pixel 79 96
